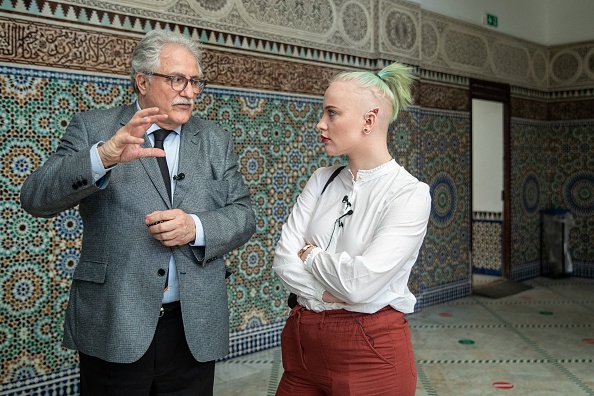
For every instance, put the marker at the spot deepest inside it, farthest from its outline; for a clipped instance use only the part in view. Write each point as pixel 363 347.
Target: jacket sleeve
pixel 65 178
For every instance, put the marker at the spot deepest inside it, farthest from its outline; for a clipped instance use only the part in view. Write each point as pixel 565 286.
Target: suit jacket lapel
pixel 188 148
pixel 149 163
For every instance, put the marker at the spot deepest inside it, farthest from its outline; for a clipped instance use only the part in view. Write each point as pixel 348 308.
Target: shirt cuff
pixel 96 164
pixel 319 292
pixel 200 237
pixel 310 257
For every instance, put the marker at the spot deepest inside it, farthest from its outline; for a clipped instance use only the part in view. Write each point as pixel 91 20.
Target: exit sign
pixel 491 20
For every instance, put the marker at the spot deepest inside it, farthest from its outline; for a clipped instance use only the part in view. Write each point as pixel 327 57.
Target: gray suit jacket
pixel 117 289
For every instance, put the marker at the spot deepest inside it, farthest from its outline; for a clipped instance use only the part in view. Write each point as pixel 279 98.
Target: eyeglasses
pixel 179 83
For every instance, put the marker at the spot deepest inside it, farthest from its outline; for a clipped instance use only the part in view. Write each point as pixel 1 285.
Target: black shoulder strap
pixel 336 172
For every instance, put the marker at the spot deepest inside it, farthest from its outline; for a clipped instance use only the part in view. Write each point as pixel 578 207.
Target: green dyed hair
pixel 393 83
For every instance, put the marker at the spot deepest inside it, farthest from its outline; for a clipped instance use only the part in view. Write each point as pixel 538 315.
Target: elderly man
pixel 162 200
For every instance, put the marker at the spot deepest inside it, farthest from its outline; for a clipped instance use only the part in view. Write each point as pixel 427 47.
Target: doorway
pixel 490 204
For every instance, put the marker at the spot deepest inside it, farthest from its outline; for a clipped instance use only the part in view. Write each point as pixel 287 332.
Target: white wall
pixel 487 156
pixel 545 22
pixel 569 21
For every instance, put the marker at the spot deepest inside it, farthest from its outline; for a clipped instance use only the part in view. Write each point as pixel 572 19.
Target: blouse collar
pixel 371 174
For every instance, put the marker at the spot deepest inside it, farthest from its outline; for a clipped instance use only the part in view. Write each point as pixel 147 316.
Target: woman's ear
pixel 371 118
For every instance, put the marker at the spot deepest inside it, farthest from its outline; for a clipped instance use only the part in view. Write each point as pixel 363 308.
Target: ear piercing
pixel 375 110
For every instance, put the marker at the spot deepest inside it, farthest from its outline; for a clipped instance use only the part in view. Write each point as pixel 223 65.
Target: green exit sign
pixel 491 20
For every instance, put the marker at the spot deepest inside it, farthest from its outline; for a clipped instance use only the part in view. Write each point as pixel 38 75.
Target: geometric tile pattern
pixel 278 148
pixel 277 143
pixel 444 165
pixel 528 180
pixel 476 345
pixel 571 169
pixel 486 247
pixel 552 169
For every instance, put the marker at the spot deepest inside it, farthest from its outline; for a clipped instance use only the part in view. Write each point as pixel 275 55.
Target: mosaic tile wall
pixel 278 149
pixel 552 168
pixel 444 164
pixel 569 167
pixel 486 247
pixel 487 244
pixel 64 47
pixel 527 147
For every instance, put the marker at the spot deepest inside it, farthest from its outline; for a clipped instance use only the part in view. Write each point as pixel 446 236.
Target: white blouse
pixel 364 258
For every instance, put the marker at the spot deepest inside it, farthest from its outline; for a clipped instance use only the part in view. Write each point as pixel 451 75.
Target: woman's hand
pixel 327 296
pixel 305 251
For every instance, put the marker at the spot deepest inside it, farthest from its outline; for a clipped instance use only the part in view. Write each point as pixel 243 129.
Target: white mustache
pixel 184 101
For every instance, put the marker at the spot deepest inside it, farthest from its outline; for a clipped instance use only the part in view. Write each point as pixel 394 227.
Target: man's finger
pixel 150 152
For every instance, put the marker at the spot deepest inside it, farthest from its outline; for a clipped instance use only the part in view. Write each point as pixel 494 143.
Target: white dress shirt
pixel 366 262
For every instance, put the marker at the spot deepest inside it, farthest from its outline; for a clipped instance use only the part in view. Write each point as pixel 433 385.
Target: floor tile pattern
pixel 538 342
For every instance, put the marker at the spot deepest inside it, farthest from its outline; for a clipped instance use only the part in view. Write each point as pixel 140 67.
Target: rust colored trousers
pixel 344 353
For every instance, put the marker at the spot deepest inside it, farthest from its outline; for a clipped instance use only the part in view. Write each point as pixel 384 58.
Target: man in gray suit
pixel 148 306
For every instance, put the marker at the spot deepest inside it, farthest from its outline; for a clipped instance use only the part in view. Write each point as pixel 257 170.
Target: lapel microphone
pixel 179 176
pixel 340 223
pixel 345 200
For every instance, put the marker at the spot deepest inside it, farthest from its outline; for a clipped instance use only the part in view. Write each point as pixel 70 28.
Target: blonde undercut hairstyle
pixel 392 83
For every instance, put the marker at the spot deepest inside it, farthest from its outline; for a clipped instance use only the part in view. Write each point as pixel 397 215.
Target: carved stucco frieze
pixel 455 47
pixel 572 66
pixel 510 60
pixel 28 43
pixel 399 29
pixel 291 16
pixel 538 65
pixel 444 97
pixel 355 23
pixel 48 45
pixel 243 71
pixel 306 23
pixel 465 50
pixel 367 33
pixel 430 42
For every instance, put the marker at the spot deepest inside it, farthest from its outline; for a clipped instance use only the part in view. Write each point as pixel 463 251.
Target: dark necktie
pixel 160 136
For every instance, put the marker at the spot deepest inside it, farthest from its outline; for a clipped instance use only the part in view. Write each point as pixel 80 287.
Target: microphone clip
pixel 346 201
pixel 339 220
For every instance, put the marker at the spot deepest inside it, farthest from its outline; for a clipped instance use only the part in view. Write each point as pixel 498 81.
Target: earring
pixel 366 131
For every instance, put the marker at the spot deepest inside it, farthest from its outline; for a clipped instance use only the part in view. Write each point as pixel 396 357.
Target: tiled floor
pixel 537 342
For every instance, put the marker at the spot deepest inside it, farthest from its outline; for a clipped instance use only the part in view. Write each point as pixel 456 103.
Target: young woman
pixel 348 247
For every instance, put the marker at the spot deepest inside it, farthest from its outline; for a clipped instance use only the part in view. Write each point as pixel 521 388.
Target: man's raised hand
pixel 124 146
